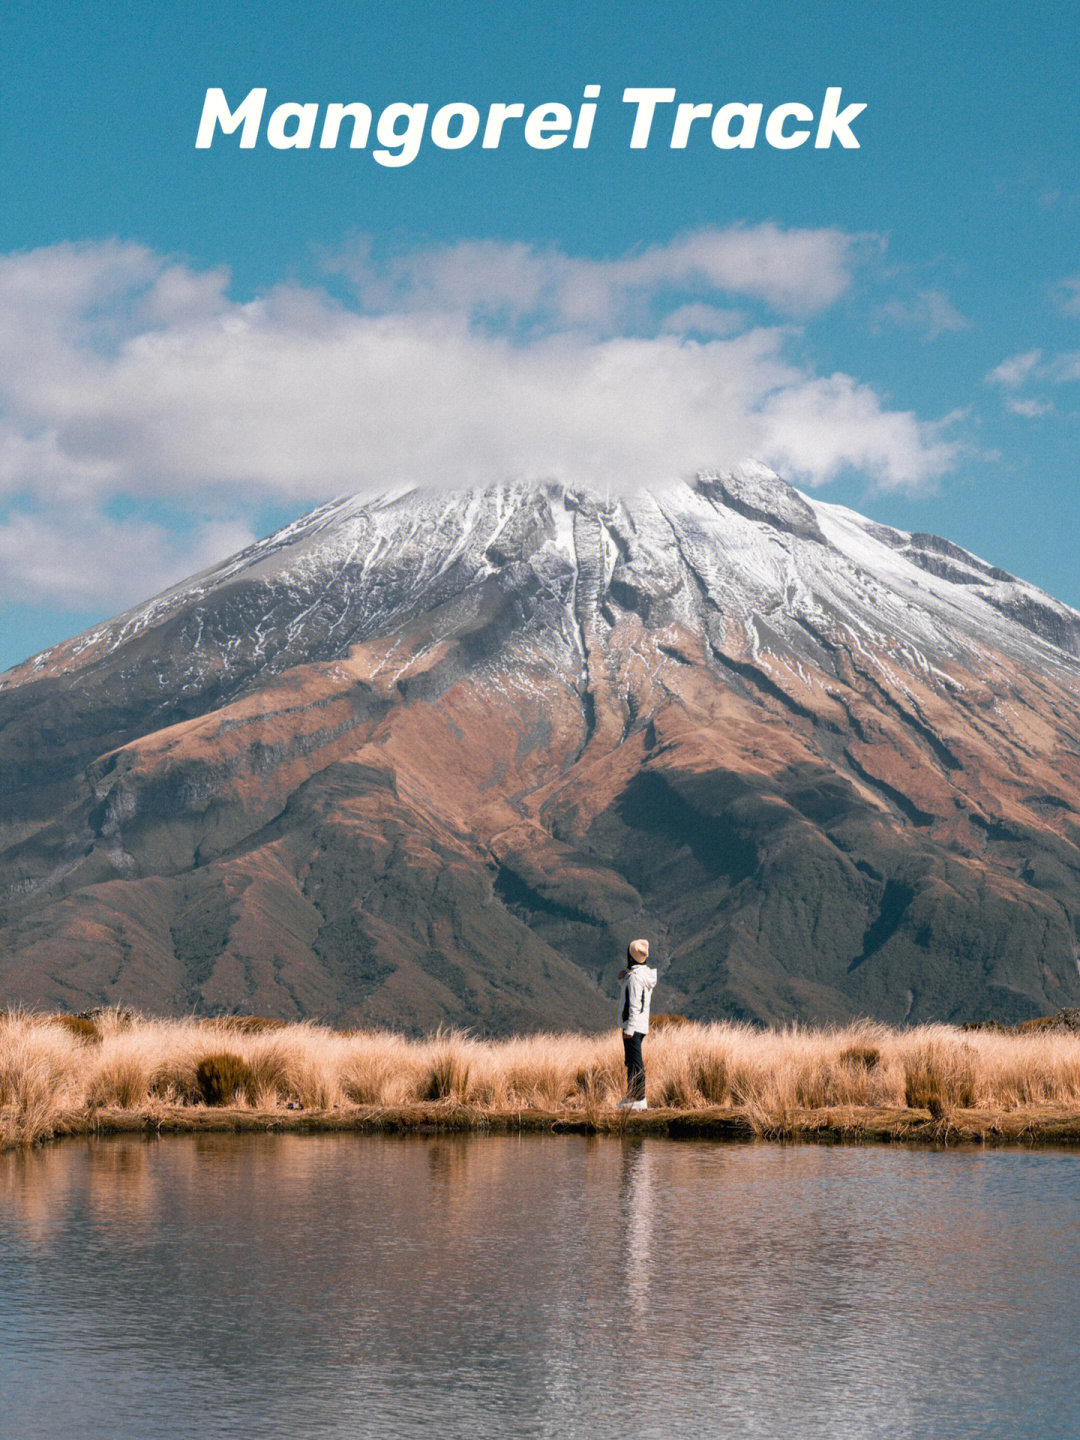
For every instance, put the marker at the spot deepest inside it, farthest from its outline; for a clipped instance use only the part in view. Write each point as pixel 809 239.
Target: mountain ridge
pixel 753 491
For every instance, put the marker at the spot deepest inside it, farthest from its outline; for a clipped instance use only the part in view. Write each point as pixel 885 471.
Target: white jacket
pixel 635 999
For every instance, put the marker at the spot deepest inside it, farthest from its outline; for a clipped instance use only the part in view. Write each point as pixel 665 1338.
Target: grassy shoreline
pixel 935 1085
pixel 1030 1126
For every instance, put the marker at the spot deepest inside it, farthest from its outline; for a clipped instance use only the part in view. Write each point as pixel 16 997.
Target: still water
pixel 517 1287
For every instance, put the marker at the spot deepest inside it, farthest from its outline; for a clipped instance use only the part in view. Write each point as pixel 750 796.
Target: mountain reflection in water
pixel 535 1286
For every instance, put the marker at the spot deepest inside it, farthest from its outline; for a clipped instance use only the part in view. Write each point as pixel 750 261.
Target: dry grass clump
pixel 298 1067
pixel 224 1079
pixel 861 1057
pixel 693 1077
pixel 243 1024
pixel 81 1026
pixel 121 1079
pixel 141 1062
pixel 540 1072
pixel 54 1074
pixel 40 1078
pixel 445 1075
pixel 380 1068
pixel 175 1082
pixel 109 1019
pixel 365 1078
pixel 1030 1069
pixel 939 1076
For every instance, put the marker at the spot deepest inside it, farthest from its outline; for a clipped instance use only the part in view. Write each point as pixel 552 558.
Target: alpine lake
pixel 535 1286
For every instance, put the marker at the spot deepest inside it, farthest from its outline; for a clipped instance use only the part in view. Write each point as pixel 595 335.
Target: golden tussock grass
pixel 56 1076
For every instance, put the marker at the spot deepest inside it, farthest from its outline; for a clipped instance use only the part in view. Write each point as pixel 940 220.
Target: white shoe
pixel 639 1104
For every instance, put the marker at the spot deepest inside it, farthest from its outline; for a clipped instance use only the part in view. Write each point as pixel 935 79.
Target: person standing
pixel 638 980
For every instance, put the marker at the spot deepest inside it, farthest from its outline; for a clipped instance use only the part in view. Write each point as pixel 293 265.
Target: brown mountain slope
pixel 438 758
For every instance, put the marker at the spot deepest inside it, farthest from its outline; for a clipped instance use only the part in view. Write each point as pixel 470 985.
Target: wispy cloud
pixel 1065 367
pixel 1015 370
pixel 1030 409
pixel 1032 368
pixel 700 319
pixel 1065 295
pixel 81 557
pixel 796 272
pixel 931 312
pixel 131 374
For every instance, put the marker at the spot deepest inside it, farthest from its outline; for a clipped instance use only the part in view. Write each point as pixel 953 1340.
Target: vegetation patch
pixel 861 1057
pixel 667 1020
pixel 939 1077
pixel 245 1024
pixel 81 1026
pixel 865 1081
pixel 447 1073
pixel 223 1078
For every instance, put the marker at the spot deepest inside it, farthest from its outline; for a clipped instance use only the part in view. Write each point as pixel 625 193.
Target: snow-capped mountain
pixel 437 756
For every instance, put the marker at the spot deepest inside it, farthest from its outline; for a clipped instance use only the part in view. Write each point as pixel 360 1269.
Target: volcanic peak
pixel 430 757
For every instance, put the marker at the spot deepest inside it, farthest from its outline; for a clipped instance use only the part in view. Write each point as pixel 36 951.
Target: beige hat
pixel 639 951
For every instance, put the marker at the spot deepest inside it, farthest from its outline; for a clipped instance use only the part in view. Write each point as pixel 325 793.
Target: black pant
pixel 635 1066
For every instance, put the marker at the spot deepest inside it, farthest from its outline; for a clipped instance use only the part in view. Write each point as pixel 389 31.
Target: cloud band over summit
pixel 133 379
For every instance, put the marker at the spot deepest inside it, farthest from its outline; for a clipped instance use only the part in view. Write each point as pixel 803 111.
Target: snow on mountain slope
pixel 746 544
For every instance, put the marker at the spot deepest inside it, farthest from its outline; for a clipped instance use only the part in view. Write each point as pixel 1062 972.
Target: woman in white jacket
pixel 638 981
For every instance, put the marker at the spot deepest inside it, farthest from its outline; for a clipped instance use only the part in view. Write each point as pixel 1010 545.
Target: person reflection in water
pixel 638 981
pixel 638 1212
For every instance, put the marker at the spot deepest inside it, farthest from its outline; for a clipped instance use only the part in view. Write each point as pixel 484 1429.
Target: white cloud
pixel 1031 368
pixel 818 428
pixel 1064 368
pixel 930 311
pixel 702 319
pixel 80 558
pixel 797 272
pixel 1015 370
pixel 130 374
pixel 1065 294
pixel 1030 409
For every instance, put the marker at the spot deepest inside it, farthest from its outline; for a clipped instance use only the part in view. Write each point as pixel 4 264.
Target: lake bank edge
pixel 1031 1126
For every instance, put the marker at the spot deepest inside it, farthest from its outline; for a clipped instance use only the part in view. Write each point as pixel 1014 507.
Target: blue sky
pixel 200 344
